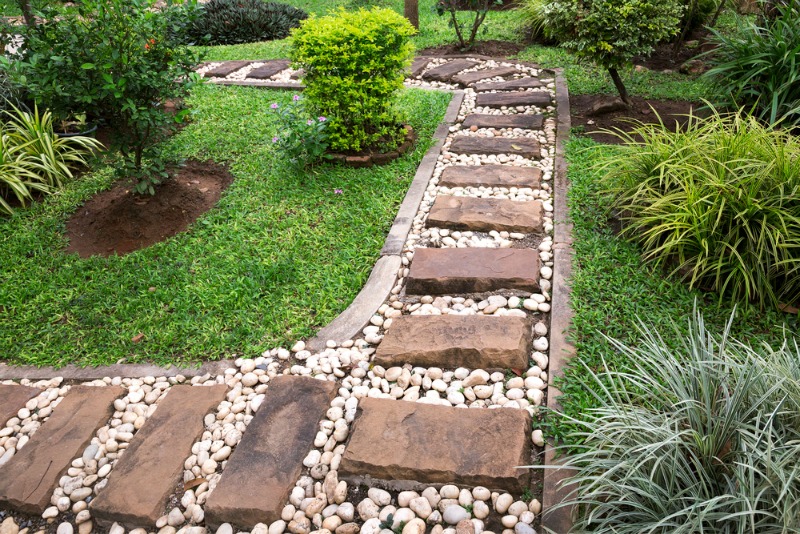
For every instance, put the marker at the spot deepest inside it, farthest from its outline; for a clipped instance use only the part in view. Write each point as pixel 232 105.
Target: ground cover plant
pixel 280 256
pixel 223 22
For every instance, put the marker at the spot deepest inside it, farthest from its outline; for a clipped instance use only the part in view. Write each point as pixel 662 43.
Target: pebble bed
pixel 320 502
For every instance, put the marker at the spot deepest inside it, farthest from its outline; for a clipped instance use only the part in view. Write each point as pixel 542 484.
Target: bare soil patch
pixel 491 48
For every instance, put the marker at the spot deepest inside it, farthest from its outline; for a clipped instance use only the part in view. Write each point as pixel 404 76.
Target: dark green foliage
pixel 223 22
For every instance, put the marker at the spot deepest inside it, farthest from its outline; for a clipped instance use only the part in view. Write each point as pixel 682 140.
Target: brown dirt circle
pixel 118 221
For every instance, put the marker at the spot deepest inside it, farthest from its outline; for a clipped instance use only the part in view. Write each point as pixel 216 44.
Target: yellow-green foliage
pixel 354 63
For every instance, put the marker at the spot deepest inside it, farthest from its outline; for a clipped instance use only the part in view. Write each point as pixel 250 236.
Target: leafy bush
pixel 302 138
pixel 223 22
pixel 719 204
pixel 34 159
pixel 479 10
pixel 758 67
pixel 534 20
pixel 702 439
pixel 612 32
pixel 354 65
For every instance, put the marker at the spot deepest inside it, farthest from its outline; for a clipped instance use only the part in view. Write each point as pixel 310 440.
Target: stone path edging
pixel 129 370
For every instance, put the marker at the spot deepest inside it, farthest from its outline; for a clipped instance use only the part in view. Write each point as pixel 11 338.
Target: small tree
pixel 479 10
pixel 612 32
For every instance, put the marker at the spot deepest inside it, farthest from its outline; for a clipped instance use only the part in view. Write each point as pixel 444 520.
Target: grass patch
pixel 280 256
pixel 612 290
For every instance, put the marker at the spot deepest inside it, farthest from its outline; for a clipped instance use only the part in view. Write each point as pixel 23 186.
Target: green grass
pixel 278 257
pixel 612 290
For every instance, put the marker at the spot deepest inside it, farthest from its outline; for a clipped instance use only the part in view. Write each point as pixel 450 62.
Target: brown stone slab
pixel 448 341
pixel 401 442
pixel 491 176
pixel 269 69
pixel 267 462
pixel 440 271
pixel 468 78
pixel 528 122
pixel 418 66
pixel 12 399
pixel 509 85
pixel 526 147
pixel 515 98
pixel 486 214
pixel 148 472
pixel 227 67
pixel 443 73
pixel 28 479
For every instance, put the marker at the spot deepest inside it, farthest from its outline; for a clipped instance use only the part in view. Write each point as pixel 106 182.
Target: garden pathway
pixel 472 297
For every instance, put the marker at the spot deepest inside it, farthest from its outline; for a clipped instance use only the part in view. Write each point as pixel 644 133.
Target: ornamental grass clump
pixel 354 66
pixel 717 203
pixel 704 438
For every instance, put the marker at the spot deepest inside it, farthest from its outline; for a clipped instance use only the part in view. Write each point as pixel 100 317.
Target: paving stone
pixel 269 69
pixel 468 78
pixel 12 398
pixel 446 271
pixel 529 122
pixel 29 478
pixel 269 458
pixel 509 85
pixel 486 214
pixel 443 73
pixel 449 341
pixel 515 98
pixel 145 476
pixel 526 147
pixel 399 441
pixel 418 66
pixel 227 67
pixel 491 176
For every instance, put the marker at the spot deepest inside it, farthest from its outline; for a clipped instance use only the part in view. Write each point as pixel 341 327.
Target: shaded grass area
pixel 278 257
pixel 612 291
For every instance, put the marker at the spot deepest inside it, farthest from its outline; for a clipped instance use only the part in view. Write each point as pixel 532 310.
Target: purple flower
pixel 309 122
pixel 322 119
pixel 274 105
pixel 338 191
pixel 275 139
pixel 296 98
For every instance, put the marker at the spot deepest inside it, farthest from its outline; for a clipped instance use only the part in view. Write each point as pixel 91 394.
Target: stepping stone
pixel 406 442
pixel 516 98
pixel 12 399
pixel 486 214
pixel 491 176
pixel 271 68
pixel 443 73
pixel 528 122
pixel 418 66
pixel 469 78
pixel 509 85
pixel 525 147
pixel 449 341
pixel 149 471
pixel 27 481
pixel 447 271
pixel 227 67
pixel 267 462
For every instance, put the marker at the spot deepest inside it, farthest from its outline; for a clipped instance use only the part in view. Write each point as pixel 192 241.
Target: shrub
pixel 302 138
pixel 223 22
pixel 758 67
pixel 702 439
pixel 534 21
pixel 479 10
pixel 354 65
pixel 612 32
pixel 718 203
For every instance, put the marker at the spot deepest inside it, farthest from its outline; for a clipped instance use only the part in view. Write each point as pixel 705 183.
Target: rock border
pixel 377 158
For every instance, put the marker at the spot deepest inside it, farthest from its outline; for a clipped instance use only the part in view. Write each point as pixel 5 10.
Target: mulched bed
pixel 492 48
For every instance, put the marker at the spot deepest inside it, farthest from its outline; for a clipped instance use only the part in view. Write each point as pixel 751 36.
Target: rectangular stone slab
pixel 271 68
pixel 443 73
pixel 27 481
pixel 509 85
pixel 515 98
pixel 491 176
pixel 227 67
pixel 448 341
pixel 525 147
pixel 528 122
pixel 12 399
pixel 418 66
pixel 398 441
pixel 447 271
pixel 486 214
pixel 468 78
pixel 148 472
pixel 267 462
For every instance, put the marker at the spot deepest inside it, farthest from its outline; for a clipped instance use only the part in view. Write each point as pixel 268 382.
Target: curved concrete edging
pixel 559 520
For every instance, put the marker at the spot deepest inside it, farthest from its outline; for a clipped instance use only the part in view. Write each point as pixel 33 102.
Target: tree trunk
pixel 717 13
pixel 27 12
pixel 623 92
pixel 411 12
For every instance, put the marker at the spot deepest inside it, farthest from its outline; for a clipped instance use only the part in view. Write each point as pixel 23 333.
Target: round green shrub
pixel 354 65
pixel 223 22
